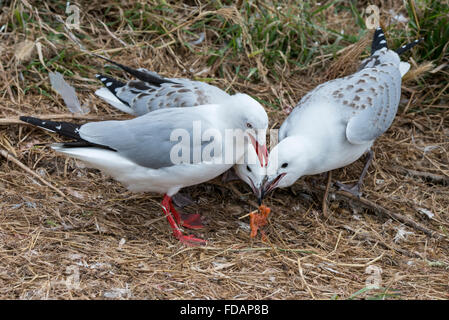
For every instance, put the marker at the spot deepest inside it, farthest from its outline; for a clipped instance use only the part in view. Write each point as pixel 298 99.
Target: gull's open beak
pixel 256 191
pixel 270 185
pixel 261 193
pixel 260 197
pixel 261 150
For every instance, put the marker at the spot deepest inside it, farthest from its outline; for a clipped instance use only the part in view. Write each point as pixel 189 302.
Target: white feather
pixel 140 179
pixel 67 92
pixel 107 96
pixel 403 68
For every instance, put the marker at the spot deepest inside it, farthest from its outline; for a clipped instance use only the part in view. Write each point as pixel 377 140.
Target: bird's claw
pixel 191 241
pixel 192 221
pixel 352 189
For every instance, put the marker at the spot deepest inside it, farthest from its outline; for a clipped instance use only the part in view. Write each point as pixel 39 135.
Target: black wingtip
pixel 24 119
pixel 142 76
pixel 408 46
pixel 34 121
pixel 379 40
pixel 66 129
pixel 110 83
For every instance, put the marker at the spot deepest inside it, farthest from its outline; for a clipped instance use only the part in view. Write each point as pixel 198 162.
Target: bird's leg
pixel 169 205
pixel 188 240
pixel 191 221
pixel 355 189
pixel 326 193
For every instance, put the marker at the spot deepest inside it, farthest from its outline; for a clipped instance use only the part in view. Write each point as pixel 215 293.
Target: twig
pixel 351 265
pixel 112 34
pixel 422 174
pixel 367 204
pixel 246 215
pixel 365 236
pixel 10 157
pixel 303 279
pixel 7 85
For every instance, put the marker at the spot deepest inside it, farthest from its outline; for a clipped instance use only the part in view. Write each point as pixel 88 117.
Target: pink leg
pixel 188 240
pixel 172 210
pixel 191 221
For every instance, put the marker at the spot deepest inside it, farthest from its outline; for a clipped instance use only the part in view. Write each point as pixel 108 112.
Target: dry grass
pixel 60 220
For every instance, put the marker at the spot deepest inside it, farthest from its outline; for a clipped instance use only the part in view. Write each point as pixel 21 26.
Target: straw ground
pixel 68 232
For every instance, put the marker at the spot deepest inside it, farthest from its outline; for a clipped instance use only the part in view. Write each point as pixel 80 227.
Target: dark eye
pixel 284 165
pixel 249 125
pixel 248 168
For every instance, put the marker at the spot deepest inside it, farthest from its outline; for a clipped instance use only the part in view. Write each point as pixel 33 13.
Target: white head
pixel 249 116
pixel 252 172
pixel 287 162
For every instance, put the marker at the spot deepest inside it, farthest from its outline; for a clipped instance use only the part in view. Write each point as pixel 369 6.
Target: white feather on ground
pixel 67 93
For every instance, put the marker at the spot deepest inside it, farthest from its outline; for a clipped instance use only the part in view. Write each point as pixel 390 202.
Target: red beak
pixel 261 151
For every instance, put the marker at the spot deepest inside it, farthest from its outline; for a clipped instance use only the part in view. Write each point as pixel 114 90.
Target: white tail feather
pixel 136 178
pixel 98 158
pixel 107 96
pixel 403 68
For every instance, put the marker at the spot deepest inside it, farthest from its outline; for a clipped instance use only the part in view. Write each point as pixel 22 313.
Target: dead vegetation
pixel 67 232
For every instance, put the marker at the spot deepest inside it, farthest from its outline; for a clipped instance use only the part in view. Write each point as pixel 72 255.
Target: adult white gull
pixel 140 152
pixel 150 92
pixel 337 122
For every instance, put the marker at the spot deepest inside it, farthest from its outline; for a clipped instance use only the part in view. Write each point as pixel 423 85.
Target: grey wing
pixel 368 100
pixel 148 140
pixel 372 96
pixel 143 97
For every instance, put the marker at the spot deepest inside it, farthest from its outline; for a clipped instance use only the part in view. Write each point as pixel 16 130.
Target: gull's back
pixel 365 103
pixel 152 92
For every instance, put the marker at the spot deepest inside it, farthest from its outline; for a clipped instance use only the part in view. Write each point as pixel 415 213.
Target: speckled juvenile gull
pixel 139 152
pixel 337 122
pixel 150 92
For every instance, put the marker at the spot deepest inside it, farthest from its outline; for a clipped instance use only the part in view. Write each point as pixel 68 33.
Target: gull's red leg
pixel 188 240
pixel 191 221
pixel 166 202
pixel 169 205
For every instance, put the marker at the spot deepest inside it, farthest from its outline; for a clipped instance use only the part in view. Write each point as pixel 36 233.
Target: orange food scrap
pixel 258 219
